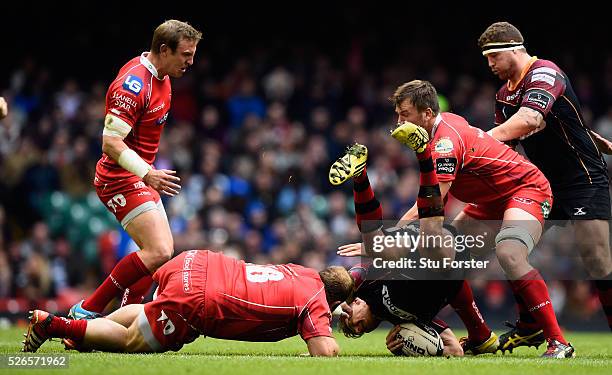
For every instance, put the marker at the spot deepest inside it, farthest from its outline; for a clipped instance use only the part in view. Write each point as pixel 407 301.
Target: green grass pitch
pixel 366 355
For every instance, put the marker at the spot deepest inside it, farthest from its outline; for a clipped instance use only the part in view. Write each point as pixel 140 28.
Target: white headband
pixel 499 47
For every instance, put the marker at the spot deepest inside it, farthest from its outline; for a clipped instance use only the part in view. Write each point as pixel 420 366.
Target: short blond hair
pixel 422 95
pixel 171 33
pixel 339 284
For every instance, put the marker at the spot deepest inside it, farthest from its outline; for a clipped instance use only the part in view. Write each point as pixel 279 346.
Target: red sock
pixel 525 320
pixel 61 327
pixel 604 290
pixel 466 308
pixel 129 270
pixel 137 291
pixel 368 212
pixel 532 289
pixel 439 323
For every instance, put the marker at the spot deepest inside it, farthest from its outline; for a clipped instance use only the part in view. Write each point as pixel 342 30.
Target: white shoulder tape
pixel 116 127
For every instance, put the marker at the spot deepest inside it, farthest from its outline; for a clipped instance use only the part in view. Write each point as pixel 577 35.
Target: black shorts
pixel 580 204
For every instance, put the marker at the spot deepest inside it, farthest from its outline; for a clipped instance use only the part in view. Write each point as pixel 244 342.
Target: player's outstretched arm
pixel 603 145
pixel 323 346
pixel 523 122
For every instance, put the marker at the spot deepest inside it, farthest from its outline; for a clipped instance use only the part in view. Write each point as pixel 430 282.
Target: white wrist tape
pixel 130 161
pixel 490 132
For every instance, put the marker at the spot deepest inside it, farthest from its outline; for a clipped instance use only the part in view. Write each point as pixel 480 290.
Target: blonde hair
pixel 171 33
pixel 422 95
pixel 339 284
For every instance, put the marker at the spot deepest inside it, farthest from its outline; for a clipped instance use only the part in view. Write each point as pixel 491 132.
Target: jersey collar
pixel 149 65
pixel 436 123
pixel 523 73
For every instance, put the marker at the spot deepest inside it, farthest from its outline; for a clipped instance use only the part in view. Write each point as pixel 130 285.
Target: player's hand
pixel 163 180
pixel 604 146
pixel 3 108
pixel 351 250
pixel 347 311
pixel 393 343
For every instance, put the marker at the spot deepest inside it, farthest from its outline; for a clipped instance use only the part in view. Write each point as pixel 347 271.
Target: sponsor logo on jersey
pixel 140 185
pixel 539 99
pixel 545 69
pixel 386 299
pixel 526 201
pixel 187 267
pixel 132 84
pixel 542 77
pixel 444 146
pixel 446 165
pixel 122 101
pixel 161 106
pixel 545 209
pixel 162 119
pixel 510 98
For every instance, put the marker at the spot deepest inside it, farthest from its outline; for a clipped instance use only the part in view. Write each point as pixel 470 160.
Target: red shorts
pixel 170 320
pixel 534 201
pixel 128 198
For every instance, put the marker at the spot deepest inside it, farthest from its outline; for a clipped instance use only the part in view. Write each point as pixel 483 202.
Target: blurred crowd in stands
pixel 252 147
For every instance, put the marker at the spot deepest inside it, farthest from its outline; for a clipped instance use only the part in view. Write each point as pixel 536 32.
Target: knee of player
pixel 161 253
pixel 513 245
pixel 509 255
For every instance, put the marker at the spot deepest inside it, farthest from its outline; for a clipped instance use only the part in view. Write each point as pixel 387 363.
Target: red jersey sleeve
pixel 126 98
pixel 543 85
pixel 447 153
pixel 315 318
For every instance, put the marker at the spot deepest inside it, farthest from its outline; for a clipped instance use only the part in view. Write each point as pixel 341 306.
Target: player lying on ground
pixel 206 293
pixel 538 106
pixel 411 294
pixel 499 185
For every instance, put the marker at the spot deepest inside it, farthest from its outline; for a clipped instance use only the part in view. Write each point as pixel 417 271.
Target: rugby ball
pixel 420 340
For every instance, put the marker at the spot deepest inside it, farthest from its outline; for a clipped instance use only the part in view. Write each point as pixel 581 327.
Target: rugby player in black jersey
pixel 539 107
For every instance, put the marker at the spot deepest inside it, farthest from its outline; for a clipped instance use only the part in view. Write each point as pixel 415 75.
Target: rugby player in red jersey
pixel 206 293
pixel 539 107
pixel 382 293
pixel 137 107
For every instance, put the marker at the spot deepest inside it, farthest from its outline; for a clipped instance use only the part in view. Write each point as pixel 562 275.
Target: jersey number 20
pixel 117 200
